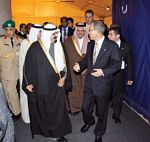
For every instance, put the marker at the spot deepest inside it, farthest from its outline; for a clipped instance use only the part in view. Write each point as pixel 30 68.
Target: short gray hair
pixel 99 26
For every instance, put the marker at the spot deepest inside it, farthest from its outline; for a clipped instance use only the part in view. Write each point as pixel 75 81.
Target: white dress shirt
pixel 80 40
pixel 99 42
pixel 123 62
pixel 62 33
pixel 118 42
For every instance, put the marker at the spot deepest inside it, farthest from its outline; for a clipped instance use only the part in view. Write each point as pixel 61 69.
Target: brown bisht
pixel 47 105
pixel 75 96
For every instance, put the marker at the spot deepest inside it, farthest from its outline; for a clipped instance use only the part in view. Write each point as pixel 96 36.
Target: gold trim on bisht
pixel 7 56
pixel 76 46
pixel 49 58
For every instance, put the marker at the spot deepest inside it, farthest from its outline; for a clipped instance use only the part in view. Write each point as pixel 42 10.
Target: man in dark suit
pixel 22 32
pixel 89 17
pixel 119 76
pixel 64 29
pixel 102 60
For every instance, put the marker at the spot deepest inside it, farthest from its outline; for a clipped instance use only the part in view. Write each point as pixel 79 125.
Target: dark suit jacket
pixel 70 32
pixel 127 57
pixel 22 36
pixel 108 59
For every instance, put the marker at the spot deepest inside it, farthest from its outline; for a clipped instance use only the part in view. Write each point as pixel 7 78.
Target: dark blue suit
pixel 97 89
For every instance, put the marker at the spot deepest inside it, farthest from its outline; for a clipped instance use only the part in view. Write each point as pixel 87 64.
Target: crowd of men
pixel 49 74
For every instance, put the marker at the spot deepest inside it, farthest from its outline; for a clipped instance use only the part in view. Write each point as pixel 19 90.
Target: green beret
pixel 9 24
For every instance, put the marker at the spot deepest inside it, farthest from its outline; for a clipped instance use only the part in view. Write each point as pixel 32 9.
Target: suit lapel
pixel 92 50
pixel 122 48
pixel 102 51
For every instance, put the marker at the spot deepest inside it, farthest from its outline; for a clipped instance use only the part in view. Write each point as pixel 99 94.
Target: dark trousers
pixel 117 92
pixel 102 104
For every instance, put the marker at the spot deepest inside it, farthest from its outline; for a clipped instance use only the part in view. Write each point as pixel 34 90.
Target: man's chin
pixel 91 38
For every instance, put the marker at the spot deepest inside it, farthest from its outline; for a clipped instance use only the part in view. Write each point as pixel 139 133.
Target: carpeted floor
pixel 132 129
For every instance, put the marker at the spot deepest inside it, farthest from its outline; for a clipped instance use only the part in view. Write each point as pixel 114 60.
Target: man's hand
pixel 30 88
pixel 61 82
pixel 97 72
pixel 130 82
pixel 76 67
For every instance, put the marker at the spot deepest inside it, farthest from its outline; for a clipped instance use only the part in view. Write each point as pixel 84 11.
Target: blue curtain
pixel 133 16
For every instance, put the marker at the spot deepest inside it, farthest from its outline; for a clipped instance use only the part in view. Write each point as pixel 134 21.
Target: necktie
pixel 12 43
pixel 51 51
pixel 95 53
pixel 64 32
pixel 65 35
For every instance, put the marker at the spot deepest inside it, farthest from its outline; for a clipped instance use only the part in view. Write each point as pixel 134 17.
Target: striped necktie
pixel 95 53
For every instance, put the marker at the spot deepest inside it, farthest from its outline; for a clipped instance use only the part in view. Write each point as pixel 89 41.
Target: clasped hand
pixel 97 72
pixel 61 82
pixel 76 67
pixel 29 88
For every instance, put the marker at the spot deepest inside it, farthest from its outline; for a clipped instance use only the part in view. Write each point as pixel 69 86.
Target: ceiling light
pixel 108 8
pixel 90 1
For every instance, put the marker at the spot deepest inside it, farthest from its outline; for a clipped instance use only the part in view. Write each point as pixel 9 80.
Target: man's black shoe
pixel 62 139
pixel 98 139
pixel 117 120
pixel 85 128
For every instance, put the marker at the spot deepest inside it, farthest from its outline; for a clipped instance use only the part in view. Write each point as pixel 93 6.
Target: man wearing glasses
pixel 102 60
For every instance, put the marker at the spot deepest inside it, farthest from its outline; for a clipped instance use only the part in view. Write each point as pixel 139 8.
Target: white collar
pixel 99 42
pixel 65 28
pixel 118 42
pixel 80 40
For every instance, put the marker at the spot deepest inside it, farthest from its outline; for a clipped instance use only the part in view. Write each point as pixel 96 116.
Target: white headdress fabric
pixel 48 30
pixel 34 31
